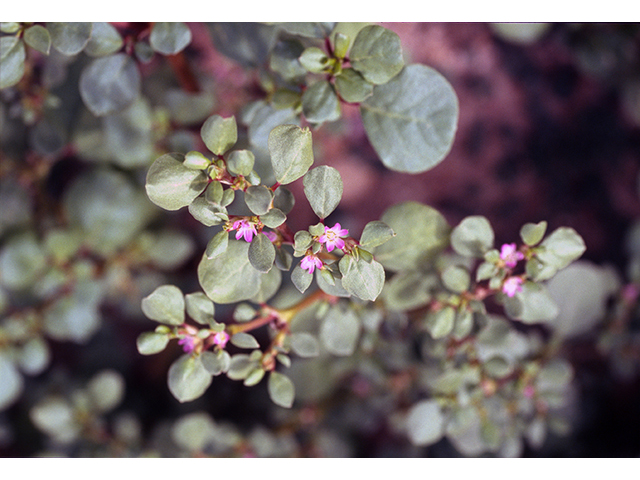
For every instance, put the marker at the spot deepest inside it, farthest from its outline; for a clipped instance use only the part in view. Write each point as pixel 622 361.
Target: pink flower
pixel 511 286
pixel 245 229
pixel 221 339
pixel 331 237
pixel 510 254
pixel 188 345
pixel 310 263
pixel 272 236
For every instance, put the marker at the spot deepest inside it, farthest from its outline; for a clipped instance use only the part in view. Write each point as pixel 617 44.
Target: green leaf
pixel 533 304
pixel 11 382
pixel 169 38
pixel 308 29
pixel 110 84
pixel 244 340
pixel 248 43
pixel 361 278
pixel 304 344
pixel 258 198
pixel 12 56
pixel 200 308
pixel 320 103
pixel 149 343
pixel 128 135
pixel 456 278
pixel 339 331
pixel 262 253
pixel 284 60
pixel 104 40
pixel 559 249
pixel 281 389
pixel 377 54
pixel 165 305
pixel 323 188
pixel 22 262
pixel 187 378
pixel 301 279
pixel 216 363
pixel 240 366
pixel 582 291
pixel 291 152
pixel 273 218
pixel 407 290
pixel 229 277
pixel 171 185
pixel 240 162
pixel 352 87
pixel 208 213
pixel 196 161
pixel 376 233
pixel 35 356
pixel 75 317
pixel 254 377
pixel 106 390
pixel 425 423
pixel 532 233
pixel 440 323
pixel 472 237
pixel 268 286
pixel 219 134
pixel 38 37
pixel 411 121
pixel 421 233
pixel 69 38
pixel 314 60
pixel 194 431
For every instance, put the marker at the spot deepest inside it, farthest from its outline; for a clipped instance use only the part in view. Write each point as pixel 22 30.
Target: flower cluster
pixel 332 238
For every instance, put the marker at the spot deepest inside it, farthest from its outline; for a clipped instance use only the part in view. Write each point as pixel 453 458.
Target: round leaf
pixel 425 423
pixel 38 37
pixel 149 343
pixel 69 38
pixel 11 383
pixel 411 121
pixel 352 87
pixel 323 188
pixel 258 198
pixel 104 40
pixel 304 344
pixel 171 185
pixel 229 277
pixel 110 84
pixel 320 103
pixel 361 278
pixel 291 152
pixel 376 233
pixel 281 389
pixel 12 56
pixel 473 237
pixel 219 134
pixel 421 232
pixel 262 253
pixel 377 54
pixel 165 305
pixel 187 378
pixel 169 38
pixel 339 331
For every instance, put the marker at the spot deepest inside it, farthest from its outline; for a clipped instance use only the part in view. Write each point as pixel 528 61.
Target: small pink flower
pixel 221 339
pixel 511 286
pixel 510 254
pixel 188 344
pixel 272 236
pixel 310 263
pixel 245 229
pixel 331 237
pixel 529 391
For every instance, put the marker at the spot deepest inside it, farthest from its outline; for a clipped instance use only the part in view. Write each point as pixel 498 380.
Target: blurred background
pixel 549 130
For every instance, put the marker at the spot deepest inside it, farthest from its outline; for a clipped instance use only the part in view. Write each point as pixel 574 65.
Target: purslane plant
pixel 410 262
pixel 461 310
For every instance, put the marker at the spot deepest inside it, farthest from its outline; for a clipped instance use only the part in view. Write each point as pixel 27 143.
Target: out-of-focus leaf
pixel 169 38
pixel 70 38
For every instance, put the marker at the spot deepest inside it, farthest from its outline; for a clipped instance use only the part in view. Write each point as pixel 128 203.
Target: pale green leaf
pixel 425 423
pixel 12 56
pixel 472 237
pixel 169 38
pixel 171 185
pixel 411 121
pixel 149 343
pixel 219 134
pixel 165 305
pixel 281 389
pixel 291 152
pixel 323 188
pixel 262 253
pixel 187 378
pixel 36 36
pixel 377 54
pixel 69 38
